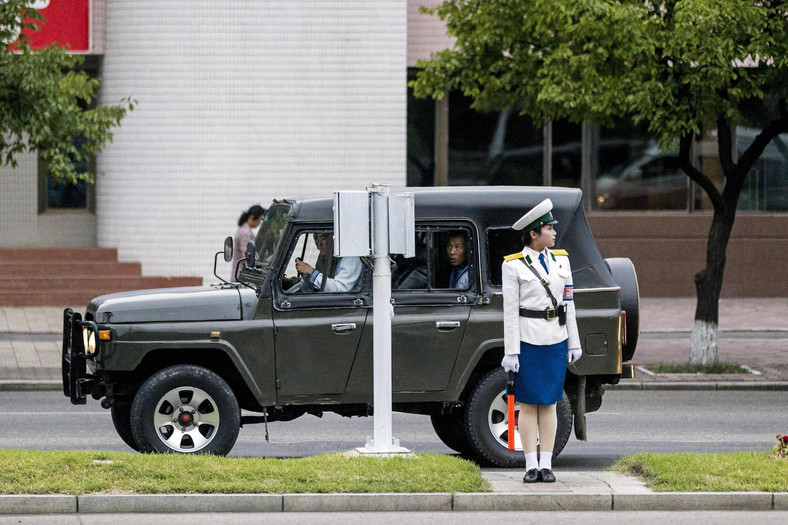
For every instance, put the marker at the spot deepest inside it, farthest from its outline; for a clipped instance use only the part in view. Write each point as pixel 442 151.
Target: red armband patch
pixel 568 293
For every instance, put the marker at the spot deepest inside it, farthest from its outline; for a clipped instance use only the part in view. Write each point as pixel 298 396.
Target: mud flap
pixel 580 409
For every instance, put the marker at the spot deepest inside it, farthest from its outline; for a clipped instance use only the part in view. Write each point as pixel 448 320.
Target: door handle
pixel 341 328
pixel 446 326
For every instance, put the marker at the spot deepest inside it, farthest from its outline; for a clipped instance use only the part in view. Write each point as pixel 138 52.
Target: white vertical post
pixel 381 296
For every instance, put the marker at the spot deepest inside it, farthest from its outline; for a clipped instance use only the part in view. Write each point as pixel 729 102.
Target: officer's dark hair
pixel 526 237
pixel 254 212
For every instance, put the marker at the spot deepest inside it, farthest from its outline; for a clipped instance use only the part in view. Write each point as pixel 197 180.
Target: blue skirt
pixel 540 380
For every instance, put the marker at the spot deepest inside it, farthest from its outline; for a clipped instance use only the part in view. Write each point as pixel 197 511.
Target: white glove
pixel 511 363
pixel 573 354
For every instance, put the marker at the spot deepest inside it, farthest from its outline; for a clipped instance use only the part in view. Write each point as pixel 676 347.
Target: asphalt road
pixel 627 423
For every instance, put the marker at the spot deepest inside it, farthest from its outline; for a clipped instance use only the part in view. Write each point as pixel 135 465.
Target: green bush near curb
pixel 688 472
pixel 90 472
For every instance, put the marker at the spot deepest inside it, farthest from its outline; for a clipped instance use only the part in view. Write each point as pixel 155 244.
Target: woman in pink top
pixel 249 219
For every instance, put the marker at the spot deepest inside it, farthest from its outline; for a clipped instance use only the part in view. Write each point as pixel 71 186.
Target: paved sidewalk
pixel 753 332
pixel 576 491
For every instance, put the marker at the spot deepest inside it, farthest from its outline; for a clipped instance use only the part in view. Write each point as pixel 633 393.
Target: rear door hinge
pixel 278 384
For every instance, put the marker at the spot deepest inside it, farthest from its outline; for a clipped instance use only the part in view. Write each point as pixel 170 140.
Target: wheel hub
pixel 186 419
pixel 498 421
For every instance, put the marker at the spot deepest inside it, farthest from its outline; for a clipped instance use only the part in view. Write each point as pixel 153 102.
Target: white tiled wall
pixel 240 103
pixel 426 33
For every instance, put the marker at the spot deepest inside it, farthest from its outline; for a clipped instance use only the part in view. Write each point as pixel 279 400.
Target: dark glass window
pixel 567 154
pixel 493 147
pixel 500 243
pixel 65 196
pixel 421 139
pixel 635 174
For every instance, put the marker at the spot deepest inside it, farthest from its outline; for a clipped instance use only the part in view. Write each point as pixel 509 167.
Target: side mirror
pixel 228 249
pixel 251 254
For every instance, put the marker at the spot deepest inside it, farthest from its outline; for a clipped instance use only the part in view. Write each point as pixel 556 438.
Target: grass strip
pixel 686 368
pixel 689 472
pixel 91 472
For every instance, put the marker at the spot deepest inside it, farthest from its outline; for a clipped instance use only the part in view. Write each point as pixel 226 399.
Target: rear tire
pixel 490 447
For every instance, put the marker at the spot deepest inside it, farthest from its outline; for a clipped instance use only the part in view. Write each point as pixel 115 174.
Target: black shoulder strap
pixel 542 281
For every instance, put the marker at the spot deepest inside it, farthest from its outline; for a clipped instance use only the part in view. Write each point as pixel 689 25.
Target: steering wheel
pixel 306 285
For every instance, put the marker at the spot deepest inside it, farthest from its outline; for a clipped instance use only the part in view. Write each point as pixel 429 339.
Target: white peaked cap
pixel 535 214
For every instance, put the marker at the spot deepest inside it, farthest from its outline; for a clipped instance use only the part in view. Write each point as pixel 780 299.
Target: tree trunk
pixel 708 284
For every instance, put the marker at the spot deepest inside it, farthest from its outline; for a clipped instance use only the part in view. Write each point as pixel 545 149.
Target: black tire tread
pixel 192 375
pixel 121 418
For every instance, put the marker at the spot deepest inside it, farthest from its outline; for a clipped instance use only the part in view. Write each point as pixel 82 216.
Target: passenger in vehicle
pixel 456 249
pixel 331 274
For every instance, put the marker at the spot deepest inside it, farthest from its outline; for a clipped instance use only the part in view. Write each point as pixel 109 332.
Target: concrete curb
pixel 11 385
pixel 50 504
pixel 401 502
pixel 700 385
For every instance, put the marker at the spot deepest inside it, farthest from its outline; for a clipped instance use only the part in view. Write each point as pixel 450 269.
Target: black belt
pixel 548 314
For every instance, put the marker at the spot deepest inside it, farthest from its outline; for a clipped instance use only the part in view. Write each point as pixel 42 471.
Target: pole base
pixel 392 450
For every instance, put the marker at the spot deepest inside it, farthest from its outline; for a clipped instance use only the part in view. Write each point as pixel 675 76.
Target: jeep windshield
pixel 268 237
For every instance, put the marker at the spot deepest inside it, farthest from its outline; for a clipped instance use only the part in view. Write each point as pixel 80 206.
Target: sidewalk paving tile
pixel 16 320
pixel 694 501
pixel 25 353
pixel 7 359
pixel 180 503
pixel 37 319
pixel 48 353
pixel 35 504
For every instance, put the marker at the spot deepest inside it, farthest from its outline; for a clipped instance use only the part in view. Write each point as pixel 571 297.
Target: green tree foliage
pixel 678 66
pixel 45 102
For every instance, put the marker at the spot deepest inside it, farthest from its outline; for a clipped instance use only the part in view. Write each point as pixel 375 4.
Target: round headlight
pixel 89 340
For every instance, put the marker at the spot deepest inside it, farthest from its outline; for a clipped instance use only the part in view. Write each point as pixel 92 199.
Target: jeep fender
pixel 128 356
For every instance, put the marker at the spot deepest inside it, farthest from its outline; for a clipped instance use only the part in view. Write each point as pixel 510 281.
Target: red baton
pixel 510 402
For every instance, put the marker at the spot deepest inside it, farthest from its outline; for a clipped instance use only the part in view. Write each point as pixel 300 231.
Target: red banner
pixel 66 22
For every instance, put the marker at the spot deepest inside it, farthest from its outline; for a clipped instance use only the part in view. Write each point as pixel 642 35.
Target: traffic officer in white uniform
pixel 540 334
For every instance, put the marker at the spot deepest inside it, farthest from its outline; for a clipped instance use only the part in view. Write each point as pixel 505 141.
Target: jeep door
pixel 432 301
pixel 318 318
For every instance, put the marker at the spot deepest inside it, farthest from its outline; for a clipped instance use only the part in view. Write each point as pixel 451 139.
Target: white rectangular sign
pixel 351 224
pixel 402 225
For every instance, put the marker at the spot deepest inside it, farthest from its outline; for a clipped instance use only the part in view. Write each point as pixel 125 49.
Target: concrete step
pixel 78 284
pixel 45 255
pixel 69 269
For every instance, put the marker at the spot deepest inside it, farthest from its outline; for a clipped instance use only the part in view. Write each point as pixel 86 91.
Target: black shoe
pixel 532 476
pixel 546 475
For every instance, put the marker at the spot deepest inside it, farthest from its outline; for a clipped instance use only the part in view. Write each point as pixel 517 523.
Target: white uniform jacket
pixel 521 289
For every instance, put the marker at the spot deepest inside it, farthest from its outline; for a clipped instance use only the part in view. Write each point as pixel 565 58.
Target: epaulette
pixel 513 256
pixel 560 252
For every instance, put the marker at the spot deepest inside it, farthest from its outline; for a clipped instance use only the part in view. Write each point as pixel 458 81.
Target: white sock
pixel 530 460
pixel 546 460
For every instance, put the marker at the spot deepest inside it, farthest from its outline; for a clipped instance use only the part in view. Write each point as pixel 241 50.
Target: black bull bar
pixel 76 381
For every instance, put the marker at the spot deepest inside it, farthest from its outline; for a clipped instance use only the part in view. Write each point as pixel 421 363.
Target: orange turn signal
pixel 105 335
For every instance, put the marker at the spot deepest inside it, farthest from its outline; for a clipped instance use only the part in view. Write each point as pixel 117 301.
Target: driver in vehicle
pixel 331 274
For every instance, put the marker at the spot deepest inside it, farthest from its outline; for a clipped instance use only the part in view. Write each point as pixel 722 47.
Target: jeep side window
pixel 441 261
pixel 500 242
pixel 320 271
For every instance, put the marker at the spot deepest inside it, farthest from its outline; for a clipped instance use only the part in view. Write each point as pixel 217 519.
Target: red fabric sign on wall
pixel 66 22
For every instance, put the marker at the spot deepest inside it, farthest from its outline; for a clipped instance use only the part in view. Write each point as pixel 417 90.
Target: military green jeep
pixel 176 366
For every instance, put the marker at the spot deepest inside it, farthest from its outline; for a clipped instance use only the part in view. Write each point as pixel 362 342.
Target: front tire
pixel 486 423
pixel 121 418
pixel 185 409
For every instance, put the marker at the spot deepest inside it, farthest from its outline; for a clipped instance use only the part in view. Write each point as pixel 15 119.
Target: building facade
pixel 243 102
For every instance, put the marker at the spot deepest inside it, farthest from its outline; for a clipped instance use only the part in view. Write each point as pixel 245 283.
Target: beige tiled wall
pixel 239 103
